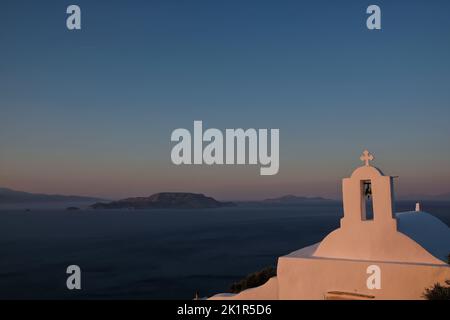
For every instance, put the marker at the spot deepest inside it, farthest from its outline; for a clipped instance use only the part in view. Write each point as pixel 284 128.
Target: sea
pixel 156 254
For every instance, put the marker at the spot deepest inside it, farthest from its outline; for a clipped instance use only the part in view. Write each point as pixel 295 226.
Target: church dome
pixel 428 231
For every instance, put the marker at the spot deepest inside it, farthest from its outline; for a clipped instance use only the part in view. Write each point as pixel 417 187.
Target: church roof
pixel 428 231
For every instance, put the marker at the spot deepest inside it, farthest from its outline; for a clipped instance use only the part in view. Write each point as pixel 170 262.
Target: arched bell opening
pixel 366 200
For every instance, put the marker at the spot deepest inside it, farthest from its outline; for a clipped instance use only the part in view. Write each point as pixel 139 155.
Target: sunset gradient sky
pixel 91 112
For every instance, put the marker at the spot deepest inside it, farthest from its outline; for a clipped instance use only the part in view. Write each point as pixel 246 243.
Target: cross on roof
pixel 366 157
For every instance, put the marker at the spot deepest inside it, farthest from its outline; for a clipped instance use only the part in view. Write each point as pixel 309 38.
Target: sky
pixel 91 111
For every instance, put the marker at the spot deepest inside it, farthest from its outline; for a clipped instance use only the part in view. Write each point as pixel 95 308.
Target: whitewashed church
pixel 387 256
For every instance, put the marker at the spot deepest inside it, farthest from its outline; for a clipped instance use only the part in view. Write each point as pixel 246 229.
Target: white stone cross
pixel 366 157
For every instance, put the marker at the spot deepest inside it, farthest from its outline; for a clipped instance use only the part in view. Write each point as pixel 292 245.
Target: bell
pixel 367 190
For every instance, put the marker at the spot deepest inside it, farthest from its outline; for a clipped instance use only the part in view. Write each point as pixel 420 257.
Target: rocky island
pixel 165 200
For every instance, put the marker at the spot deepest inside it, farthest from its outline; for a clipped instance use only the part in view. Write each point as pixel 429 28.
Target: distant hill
pixel 9 196
pixel 425 197
pixel 291 199
pixel 165 200
pixel 287 200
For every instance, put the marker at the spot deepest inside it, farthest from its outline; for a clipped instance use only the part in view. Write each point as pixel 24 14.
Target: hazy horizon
pixel 91 112
pixel 400 197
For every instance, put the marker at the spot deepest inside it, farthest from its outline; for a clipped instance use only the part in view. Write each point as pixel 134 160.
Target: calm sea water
pixel 155 254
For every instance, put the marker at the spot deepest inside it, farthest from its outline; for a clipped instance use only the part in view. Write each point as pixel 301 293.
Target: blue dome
pixel 428 231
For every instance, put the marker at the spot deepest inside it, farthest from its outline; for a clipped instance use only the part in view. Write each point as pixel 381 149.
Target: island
pixel 287 201
pixel 294 200
pixel 165 200
pixel 20 200
pixel 9 196
pixel 72 209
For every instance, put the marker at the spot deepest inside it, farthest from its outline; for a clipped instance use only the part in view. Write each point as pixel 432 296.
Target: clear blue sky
pixel 91 111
